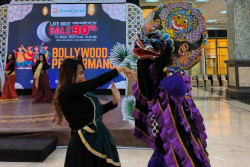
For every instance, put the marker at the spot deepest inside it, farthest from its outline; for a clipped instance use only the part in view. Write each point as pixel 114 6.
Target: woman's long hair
pixel 44 58
pixel 34 67
pixel 67 74
pixel 38 60
pixel 12 58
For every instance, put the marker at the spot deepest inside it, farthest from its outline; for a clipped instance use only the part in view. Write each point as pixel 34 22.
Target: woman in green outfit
pixel 91 144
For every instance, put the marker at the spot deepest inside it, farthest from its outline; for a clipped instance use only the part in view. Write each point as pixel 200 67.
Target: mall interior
pixel 220 89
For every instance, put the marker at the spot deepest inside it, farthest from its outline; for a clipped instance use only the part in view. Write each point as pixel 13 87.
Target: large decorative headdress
pixel 180 25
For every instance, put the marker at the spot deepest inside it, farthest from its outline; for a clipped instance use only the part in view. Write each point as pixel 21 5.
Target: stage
pixel 23 118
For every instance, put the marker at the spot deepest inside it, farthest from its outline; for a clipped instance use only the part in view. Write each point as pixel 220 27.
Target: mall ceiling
pixel 210 9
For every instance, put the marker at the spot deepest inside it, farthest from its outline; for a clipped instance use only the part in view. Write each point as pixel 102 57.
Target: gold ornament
pixel 165 70
pixel 45 11
pixel 91 9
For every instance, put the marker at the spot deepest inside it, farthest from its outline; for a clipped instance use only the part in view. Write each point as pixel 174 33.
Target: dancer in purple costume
pixel 166 117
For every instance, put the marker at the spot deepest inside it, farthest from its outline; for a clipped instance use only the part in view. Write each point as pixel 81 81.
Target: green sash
pixel 96 137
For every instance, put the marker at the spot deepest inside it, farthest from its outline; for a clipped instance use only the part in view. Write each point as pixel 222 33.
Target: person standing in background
pixel 41 81
pixel 9 92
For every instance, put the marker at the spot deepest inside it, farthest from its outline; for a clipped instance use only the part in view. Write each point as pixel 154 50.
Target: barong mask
pixel 171 41
pixel 180 25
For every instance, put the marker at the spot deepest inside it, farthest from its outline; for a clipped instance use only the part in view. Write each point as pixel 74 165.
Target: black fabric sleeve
pixel 46 66
pixel 11 68
pixel 108 106
pixel 34 67
pixel 75 89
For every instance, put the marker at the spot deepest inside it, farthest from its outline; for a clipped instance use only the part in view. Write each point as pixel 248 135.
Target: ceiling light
pixel 223 12
pixel 202 0
pixel 152 0
pixel 211 21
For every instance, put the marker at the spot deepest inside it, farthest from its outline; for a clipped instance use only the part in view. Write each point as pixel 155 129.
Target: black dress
pixel 78 111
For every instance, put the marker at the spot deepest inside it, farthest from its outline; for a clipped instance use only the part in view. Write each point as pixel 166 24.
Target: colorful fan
pixel 179 24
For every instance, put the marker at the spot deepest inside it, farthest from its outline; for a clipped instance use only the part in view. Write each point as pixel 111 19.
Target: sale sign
pixel 73 30
pixel 61 31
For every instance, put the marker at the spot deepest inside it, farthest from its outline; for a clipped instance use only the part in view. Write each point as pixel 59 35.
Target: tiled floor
pixel 227 122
